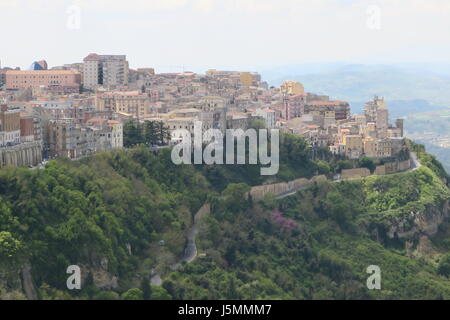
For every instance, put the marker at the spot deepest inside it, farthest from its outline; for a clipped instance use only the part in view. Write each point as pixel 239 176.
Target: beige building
pixel 134 103
pixel 65 81
pixel 353 145
pixel 292 87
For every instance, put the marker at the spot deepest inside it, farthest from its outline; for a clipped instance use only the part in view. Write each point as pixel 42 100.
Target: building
pixel 39 65
pixel 26 129
pixel 268 115
pixel 107 134
pixel 353 145
pixel 292 87
pixel 371 108
pixel 2 77
pixel 134 103
pixel 382 122
pixel 19 144
pixel 69 139
pixel 63 81
pixel 105 70
pixel 339 110
pixel 294 106
pixel 246 79
pixel 9 126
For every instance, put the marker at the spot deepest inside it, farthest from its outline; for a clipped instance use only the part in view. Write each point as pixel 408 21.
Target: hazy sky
pixel 250 34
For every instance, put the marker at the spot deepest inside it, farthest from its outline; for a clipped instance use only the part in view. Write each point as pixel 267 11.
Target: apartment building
pixel 105 70
pixel 134 103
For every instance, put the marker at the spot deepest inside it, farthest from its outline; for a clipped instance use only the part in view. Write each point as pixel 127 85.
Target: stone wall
pixel 25 154
pixel 380 170
pixel 277 189
pixel 355 173
pixel 393 167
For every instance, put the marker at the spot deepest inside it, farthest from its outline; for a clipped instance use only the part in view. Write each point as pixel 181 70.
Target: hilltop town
pixel 81 108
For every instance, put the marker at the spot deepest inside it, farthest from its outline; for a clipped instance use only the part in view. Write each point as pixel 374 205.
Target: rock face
pixel 101 277
pixel 419 223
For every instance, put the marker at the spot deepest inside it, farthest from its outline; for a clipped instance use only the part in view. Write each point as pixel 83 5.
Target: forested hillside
pixel 124 216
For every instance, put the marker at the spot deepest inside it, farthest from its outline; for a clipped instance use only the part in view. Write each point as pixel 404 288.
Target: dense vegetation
pixel 116 206
pixel 317 245
pixel 126 213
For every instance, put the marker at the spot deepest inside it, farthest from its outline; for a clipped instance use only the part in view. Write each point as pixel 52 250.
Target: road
pixel 190 251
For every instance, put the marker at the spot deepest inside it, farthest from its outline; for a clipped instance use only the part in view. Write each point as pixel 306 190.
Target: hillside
pixel 124 216
pixel 318 243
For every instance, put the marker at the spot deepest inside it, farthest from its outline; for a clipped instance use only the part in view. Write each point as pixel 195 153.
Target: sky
pixel 172 35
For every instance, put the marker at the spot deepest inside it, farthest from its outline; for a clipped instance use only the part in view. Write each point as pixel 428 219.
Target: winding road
pixel 190 251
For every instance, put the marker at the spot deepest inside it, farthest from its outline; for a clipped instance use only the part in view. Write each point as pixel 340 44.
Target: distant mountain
pixel 358 82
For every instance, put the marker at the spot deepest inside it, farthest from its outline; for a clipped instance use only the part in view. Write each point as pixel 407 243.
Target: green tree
pixel 367 163
pixel 146 289
pixel 323 167
pixel 159 293
pixel 444 265
pixel 151 133
pixel 133 294
pixel 106 295
pixel 235 197
pixel 163 133
pixel 10 249
pixel 132 134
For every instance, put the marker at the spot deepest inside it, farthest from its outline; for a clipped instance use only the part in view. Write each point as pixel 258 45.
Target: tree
pixel 343 164
pixel 367 163
pixel 444 266
pixel 132 134
pixel 151 134
pixel 163 134
pixel 235 199
pixel 106 295
pixel 10 248
pixel 323 167
pixel 146 289
pixel 133 294
pixel 159 293
pixel 257 124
